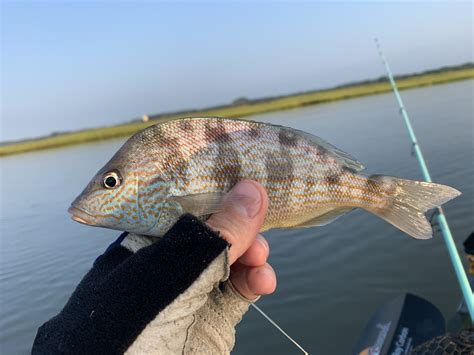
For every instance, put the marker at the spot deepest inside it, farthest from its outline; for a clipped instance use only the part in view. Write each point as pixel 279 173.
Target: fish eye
pixel 112 180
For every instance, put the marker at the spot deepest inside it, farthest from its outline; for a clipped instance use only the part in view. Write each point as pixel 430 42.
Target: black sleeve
pixel 123 292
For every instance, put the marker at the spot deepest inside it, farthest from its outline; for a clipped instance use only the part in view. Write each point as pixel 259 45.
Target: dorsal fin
pixel 345 159
pixel 341 156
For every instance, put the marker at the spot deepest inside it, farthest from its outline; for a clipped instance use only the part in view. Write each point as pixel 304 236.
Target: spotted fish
pixel 188 165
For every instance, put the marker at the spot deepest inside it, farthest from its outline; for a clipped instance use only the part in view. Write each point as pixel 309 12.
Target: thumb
pixel 241 217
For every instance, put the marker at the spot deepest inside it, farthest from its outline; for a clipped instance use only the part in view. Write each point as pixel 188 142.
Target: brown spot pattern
pixel 287 138
pixel 227 169
pixel 371 185
pixel 186 126
pixel 208 132
pixel 221 136
pixel 333 179
pixel 216 133
pixel 322 151
pixel 176 164
pixel 157 134
pixel 323 155
pixel 280 171
pixel 254 131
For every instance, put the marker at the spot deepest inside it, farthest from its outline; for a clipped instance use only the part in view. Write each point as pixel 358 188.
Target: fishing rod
pixel 443 223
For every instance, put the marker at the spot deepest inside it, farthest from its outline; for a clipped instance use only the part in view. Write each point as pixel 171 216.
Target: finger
pixel 252 282
pixel 237 266
pixel 242 216
pixel 256 254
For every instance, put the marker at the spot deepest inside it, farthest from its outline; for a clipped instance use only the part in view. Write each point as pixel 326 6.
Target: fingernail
pixel 247 196
pixel 262 241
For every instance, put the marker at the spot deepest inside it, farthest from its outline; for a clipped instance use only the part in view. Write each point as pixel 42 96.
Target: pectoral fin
pixel 200 204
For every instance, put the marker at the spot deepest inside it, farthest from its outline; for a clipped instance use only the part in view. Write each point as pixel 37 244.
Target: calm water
pixel 330 279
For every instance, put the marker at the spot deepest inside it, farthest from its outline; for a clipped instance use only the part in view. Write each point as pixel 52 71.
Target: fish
pixel 188 165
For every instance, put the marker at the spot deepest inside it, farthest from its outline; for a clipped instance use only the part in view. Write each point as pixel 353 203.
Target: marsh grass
pixel 234 111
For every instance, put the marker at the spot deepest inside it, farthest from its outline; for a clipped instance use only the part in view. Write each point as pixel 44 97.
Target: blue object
pixel 443 223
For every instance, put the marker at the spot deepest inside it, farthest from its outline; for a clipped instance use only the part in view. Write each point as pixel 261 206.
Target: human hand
pixel 169 295
pixel 239 222
pixel 224 301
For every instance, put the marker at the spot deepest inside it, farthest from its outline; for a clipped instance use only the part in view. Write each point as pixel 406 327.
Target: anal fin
pixel 325 218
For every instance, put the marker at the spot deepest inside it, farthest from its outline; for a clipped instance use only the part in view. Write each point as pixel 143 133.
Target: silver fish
pixel 188 165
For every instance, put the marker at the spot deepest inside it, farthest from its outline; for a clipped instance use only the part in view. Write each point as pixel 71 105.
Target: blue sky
pixel 69 65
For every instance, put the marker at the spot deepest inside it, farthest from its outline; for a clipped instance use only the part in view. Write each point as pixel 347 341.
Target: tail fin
pixel 408 202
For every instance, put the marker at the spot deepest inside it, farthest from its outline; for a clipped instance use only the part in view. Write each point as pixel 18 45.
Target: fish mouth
pixel 81 216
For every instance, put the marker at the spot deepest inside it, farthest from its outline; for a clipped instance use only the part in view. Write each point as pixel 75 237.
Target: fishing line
pixel 279 328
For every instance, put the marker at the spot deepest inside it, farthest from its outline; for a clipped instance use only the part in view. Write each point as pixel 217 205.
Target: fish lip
pixel 81 216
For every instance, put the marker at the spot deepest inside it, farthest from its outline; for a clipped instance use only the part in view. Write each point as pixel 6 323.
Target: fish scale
pixel 187 166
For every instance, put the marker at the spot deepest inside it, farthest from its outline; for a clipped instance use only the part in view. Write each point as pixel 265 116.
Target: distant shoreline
pixel 244 107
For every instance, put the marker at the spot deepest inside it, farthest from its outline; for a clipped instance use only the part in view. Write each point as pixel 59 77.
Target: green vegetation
pixel 244 107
